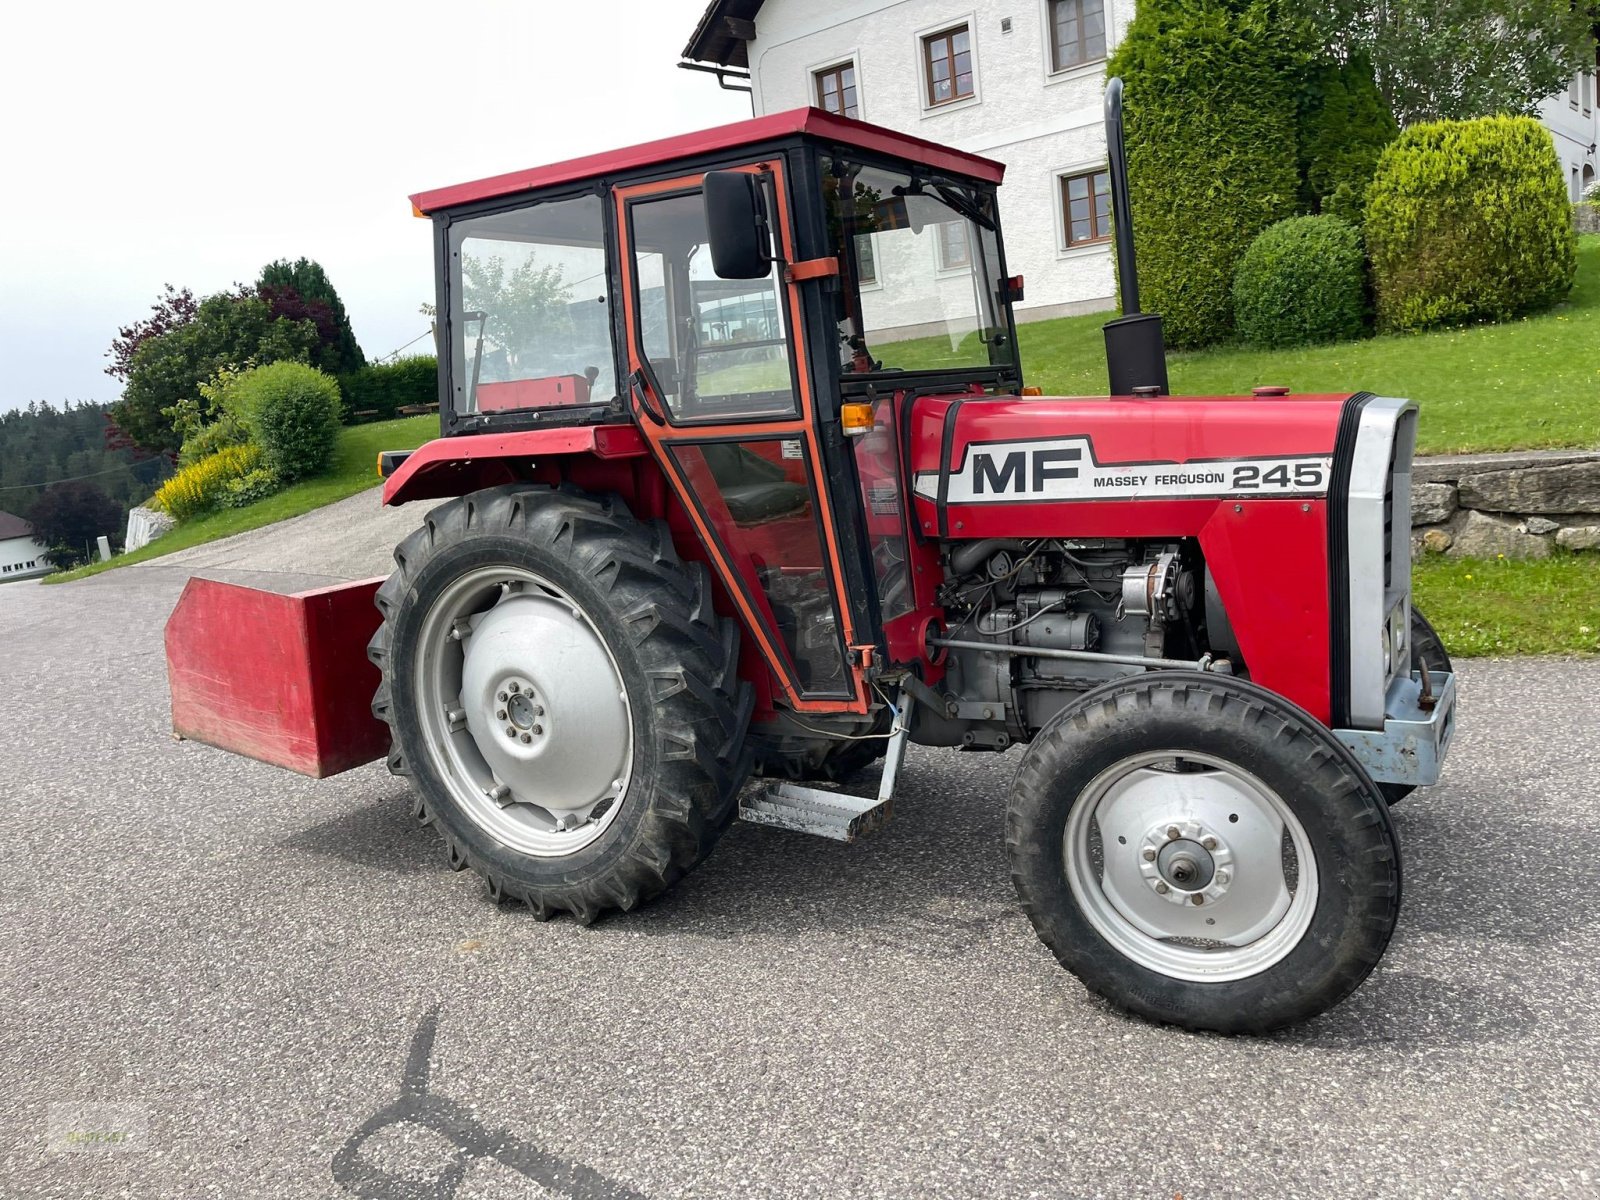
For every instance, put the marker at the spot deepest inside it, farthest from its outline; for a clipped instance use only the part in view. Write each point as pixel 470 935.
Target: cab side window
pixel 531 325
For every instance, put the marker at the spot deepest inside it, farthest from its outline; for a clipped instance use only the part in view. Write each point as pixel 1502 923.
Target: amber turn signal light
pixel 856 417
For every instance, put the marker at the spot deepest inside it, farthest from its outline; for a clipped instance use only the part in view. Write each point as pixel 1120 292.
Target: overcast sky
pixel 192 143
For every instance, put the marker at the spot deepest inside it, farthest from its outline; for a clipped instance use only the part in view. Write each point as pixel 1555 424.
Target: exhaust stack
pixel 1136 349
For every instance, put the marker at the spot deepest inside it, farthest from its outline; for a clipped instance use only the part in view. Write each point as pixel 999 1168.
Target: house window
pixel 954 250
pixel 947 59
pixel 1588 92
pixel 836 89
pixel 866 260
pixel 1077 33
pixel 1086 207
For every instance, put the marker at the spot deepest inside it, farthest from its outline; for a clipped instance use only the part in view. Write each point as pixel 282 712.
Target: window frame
pixel 1063 206
pixel 923 38
pixel 1052 49
pixel 454 422
pixel 941 263
pixel 839 63
pixel 790 313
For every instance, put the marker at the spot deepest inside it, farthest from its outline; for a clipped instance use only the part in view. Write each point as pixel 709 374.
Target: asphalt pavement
pixel 221 979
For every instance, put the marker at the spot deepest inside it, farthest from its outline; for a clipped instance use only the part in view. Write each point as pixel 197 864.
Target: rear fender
pixel 455 466
pixel 283 679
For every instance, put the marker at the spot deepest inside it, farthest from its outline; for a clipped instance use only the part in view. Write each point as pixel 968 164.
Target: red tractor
pixel 740 489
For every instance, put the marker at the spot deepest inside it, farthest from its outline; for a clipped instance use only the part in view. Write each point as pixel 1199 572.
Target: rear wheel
pixel 1427 650
pixel 563 697
pixel 1201 852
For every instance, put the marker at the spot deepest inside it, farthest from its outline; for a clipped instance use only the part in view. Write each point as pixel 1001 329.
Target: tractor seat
pixel 753 488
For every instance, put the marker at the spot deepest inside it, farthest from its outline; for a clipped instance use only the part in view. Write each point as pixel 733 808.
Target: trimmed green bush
pixel 1345 124
pixel 1302 281
pixel 1469 221
pixel 292 413
pixel 385 388
pixel 225 431
pixel 1212 148
pixel 248 488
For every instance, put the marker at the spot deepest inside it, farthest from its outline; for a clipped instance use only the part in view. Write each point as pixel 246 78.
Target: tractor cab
pixel 757 301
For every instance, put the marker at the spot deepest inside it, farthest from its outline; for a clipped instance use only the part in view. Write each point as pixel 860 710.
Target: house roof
pixel 811 121
pixel 716 39
pixel 13 526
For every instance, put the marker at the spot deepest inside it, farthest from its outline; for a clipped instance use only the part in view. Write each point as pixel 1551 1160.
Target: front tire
pixel 1201 852
pixel 563 697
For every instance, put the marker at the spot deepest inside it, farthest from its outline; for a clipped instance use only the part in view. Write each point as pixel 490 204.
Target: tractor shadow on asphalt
pixel 934 884
pixel 379 836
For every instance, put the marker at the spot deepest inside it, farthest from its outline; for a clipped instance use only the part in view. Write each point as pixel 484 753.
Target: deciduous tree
pixel 70 516
pixel 1457 59
pixel 300 291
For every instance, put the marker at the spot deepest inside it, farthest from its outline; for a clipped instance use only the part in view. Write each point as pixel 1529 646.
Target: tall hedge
pixel 1469 220
pixel 1345 123
pixel 1212 147
pixel 382 389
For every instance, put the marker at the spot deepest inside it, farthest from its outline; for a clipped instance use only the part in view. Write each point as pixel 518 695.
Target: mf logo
pixel 1022 470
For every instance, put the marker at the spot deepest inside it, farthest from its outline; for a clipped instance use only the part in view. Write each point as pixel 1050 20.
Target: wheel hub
pixel 1147 860
pixel 531 716
pixel 1184 862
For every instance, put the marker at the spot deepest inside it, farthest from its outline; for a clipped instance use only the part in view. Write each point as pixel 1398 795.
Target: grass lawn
pixel 1527 384
pixel 1546 606
pixel 355 468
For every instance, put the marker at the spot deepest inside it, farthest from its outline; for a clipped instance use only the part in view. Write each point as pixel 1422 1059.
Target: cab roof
pixel 809 122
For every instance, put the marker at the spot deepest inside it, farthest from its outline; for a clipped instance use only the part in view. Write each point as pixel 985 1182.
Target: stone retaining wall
pixel 1586 216
pixel 145 525
pixel 1521 505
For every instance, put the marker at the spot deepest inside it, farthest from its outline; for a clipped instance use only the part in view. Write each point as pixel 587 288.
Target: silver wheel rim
pixel 1205 876
pixel 524 712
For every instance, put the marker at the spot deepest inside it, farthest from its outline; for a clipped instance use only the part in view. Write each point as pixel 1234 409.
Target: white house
pixel 1573 119
pixel 21 554
pixel 1020 81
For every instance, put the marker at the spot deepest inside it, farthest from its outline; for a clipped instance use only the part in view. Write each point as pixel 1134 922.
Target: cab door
pixel 718 383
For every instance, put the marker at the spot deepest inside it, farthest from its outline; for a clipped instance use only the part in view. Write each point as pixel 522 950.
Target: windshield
pixel 919 271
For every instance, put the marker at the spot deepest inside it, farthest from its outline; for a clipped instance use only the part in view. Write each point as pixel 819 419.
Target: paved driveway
pixel 280 989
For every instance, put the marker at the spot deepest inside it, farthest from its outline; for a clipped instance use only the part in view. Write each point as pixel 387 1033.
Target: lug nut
pixel 511 731
pixel 515 688
pixel 1162 889
pixel 503 697
pixel 501 715
pixel 1149 856
pixel 527 738
pixel 1199 899
pixel 1209 843
pixel 538 710
pixel 536 729
pixel 1172 833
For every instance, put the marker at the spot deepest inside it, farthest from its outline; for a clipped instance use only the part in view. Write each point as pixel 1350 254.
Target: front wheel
pixel 1201 852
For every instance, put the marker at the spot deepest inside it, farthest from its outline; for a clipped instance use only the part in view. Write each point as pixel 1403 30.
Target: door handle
pixel 641 391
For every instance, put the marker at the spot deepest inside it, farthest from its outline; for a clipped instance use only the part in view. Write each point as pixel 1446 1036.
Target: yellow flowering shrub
pixel 201 486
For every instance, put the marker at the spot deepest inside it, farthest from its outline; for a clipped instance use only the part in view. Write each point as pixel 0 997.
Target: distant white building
pixel 1020 81
pixel 21 554
pixel 1573 119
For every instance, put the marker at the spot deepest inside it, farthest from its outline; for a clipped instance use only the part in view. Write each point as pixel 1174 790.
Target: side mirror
pixel 736 217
